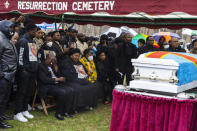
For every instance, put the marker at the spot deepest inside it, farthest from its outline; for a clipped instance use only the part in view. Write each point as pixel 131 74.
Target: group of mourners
pixel 65 64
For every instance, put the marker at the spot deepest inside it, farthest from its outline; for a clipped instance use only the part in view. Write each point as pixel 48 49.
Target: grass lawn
pixel 96 120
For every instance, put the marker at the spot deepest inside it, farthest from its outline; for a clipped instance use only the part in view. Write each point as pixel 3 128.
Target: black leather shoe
pixel 3 122
pixel 4 125
pixel 3 117
pixel 68 115
pixel 59 116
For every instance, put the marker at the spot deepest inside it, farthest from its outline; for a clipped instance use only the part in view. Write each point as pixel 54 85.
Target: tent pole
pixel 63 22
pixel 55 24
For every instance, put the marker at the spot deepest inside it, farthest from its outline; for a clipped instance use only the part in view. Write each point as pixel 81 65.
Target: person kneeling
pixel 50 84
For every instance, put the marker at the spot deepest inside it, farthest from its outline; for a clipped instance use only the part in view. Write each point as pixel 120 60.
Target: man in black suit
pixel 125 52
pixel 50 84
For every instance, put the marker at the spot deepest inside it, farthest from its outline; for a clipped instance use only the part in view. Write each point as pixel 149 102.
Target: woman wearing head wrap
pixel 77 78
pixel 88 63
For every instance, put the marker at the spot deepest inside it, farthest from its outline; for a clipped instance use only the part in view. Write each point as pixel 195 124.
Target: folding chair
pixel 45 107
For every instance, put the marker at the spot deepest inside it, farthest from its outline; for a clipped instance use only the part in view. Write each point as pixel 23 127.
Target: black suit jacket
pixel 124 54
pixel 45 79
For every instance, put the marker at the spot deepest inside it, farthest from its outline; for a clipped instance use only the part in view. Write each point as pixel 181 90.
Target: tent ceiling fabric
pixel 113 7
pixel 114 21
pixel 170 21
pixel 172 14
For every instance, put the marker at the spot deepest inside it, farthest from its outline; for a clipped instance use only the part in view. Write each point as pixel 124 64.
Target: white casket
pixel 165 72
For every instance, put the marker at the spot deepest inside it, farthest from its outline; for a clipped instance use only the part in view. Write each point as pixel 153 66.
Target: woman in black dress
pixel 77 78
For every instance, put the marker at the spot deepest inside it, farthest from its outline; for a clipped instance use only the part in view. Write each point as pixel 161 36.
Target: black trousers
pixel 26 87
pixel 5 89
pixel 64 98
pixel 107 88
pixel 128 78
pixel 70 100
